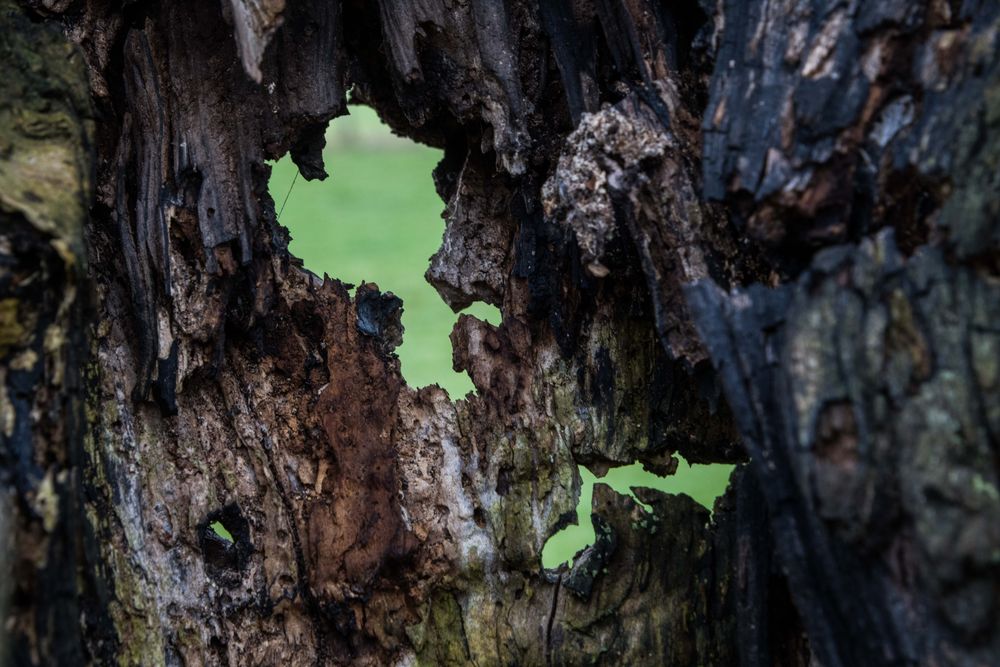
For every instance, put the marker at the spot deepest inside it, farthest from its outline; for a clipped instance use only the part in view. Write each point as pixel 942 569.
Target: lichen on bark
pixel 46 142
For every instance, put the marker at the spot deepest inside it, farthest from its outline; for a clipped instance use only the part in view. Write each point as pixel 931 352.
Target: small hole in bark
pixel 702 483
pixel 224 538
pixel 377 219
pixel 221 531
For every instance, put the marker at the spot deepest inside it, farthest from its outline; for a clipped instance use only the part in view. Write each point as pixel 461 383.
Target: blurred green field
pixel 378 219
pixel 703 483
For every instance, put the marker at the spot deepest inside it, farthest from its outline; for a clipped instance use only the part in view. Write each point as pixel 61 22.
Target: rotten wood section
pixel 373 523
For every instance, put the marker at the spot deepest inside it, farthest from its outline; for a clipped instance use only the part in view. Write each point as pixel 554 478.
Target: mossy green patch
pixel 45 120
pixel 12 332
pixel 439 639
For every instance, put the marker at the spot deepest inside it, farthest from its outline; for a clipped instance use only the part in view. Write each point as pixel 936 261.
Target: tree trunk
pixel 751 232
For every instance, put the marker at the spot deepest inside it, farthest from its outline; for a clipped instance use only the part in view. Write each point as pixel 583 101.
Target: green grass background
pixel 378 219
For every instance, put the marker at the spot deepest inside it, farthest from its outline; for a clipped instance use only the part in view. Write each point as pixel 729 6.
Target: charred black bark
pixel 852 389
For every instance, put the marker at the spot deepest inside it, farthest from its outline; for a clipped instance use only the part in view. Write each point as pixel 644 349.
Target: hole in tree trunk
pixel 702 483
pixel 221 531
pixel 224 538
pixel 377 219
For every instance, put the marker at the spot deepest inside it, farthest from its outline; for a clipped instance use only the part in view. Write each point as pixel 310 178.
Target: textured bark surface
pixel 647 191
pixel 46 142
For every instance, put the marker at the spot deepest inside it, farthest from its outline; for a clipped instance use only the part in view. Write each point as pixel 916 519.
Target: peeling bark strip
pixel 647 191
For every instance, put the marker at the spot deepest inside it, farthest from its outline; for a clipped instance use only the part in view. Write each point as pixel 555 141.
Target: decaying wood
pixel 721 230
pixel 50 580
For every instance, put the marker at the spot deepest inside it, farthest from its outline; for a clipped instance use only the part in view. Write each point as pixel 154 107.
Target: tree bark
pixel 752 232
